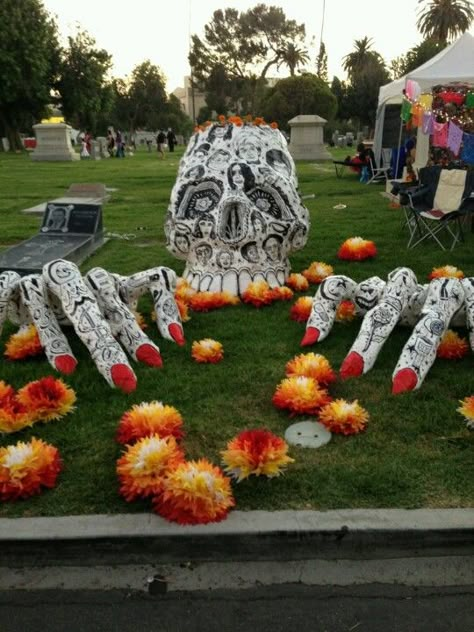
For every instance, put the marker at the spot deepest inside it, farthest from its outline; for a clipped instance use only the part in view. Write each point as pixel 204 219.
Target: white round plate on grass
pixel 307 434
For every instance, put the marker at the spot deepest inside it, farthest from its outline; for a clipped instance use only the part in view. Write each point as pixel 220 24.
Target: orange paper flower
pixel 357 249
pixel 301 310
pixel 452 346
pixel 298 282
pixel 150 418
pixel 24 344
pixel 467 410
pixel 446 271
pixel 207 350
pixel 258 293
pixel 14 416
pixel 27 467
pixel 141 322
pixel 300 394
pixel 205 301
pixel 345 312
pixel 317 272
pixel 311 365
pixel 344 417
pixel 282 293
pixel 183 310
pixel 184 291
pixel 257 452
pixel 142 468
pixel 48 397
pixel 196 492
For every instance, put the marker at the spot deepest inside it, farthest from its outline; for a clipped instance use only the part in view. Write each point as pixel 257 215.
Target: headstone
pixel 53 143
pixel 95 150
pixel 6 144
pixel 78 193
pixel 307 138
pixel 103 147
pixel 71 231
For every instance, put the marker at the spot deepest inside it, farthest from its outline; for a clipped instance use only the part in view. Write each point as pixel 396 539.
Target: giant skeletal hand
pixel 430 308
pixel 99 307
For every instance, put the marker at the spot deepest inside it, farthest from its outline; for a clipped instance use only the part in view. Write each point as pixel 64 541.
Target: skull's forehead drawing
pixel 235 213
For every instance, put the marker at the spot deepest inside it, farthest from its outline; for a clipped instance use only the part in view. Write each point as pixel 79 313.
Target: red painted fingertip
pixel 404 380
pixel 147 354
pixel 352 366
pixel 311 336
pixel 65 364
pixel 123 377
pixel 176 332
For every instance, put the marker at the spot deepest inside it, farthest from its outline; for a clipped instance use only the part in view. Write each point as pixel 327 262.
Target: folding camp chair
pixel 439 206
pixel 380 174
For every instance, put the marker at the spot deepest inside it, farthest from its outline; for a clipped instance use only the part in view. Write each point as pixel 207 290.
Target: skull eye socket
pixel 270 202
pixel 197 198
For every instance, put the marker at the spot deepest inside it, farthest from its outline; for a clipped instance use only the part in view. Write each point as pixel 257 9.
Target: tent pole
pixel 399 147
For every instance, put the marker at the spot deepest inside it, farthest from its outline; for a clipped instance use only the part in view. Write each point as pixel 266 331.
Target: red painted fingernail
pixel 123 377
pixel 311 336
pixel 147 354
pixel 176 333
pixel 65 364
pixel 404 380
pixel 352 366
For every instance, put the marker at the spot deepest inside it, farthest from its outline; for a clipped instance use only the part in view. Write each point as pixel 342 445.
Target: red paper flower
pixel 257 452
pixel 357 249
pixel 258 293
pixel 345 312
pixel 344 417
pixel 298 282
pixel 27 467
pixel 24 344
pixel 300 395
pixel 207 351
pixel 184 291
pixel 150 418
pixel 196 492
pixel 282 293
pixel 311 365
pixel 317 272
pixel 48 398
pixel 452 346
pixel 446 271
pixel 301 310
pixel 205 301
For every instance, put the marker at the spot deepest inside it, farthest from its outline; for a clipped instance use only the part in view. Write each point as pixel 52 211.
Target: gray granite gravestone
pixel 71 231
pixel 78 193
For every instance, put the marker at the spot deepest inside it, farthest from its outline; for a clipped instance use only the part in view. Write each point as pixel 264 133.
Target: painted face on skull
pixel 250 221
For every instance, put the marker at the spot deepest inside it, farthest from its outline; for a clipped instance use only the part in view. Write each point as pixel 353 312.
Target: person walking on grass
pixel 160 143
pixel 171 139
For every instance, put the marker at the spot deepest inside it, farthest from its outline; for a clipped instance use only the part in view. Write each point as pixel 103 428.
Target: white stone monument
pixel 307 138
pixel 53 143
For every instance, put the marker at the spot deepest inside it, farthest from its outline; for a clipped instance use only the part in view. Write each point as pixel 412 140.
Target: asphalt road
pixel 287 608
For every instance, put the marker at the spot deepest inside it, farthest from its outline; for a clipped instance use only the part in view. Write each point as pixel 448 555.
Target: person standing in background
pixel 160 143
pixel 171 139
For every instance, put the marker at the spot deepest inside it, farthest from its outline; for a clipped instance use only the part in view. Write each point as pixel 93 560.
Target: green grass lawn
pixel 416 451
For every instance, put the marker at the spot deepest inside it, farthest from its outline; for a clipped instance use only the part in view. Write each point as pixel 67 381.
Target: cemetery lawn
pixel 416 451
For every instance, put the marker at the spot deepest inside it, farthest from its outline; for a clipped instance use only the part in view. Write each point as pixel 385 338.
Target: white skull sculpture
pixel 235 213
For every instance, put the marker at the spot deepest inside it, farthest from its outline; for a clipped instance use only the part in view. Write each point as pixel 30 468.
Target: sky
pixel 135 30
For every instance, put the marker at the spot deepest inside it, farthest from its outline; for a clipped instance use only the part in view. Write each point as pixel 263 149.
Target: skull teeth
pixel 232 281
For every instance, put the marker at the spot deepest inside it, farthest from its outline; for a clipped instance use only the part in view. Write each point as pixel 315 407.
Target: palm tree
pixel 361 56
pixel 292 56
pixel 442 20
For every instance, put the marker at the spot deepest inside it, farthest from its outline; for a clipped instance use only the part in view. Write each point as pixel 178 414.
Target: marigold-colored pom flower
pixel 184 290
pixel 205 301
pixel 258 452
pixel 221 119
pixel 311 365
pixel 298 282
pixel 282 293
pixel 48 397
pixel 150 418
pixel 446 271
pixel 345 312
pixel 301 310
pixel 141 322
pixel 357 249
pixel 258 293
pixel 274 125
pixel 26 467
pixel 141 470
pixel 14 416
pixel 25 343
pixel 344 417
pixel 183 310
pixel 7 392
pixel 452 346
pixel 207 350
pixel 236 120
pixel 300 394
pixel 196 492
pixel 318 271
pixel 467 410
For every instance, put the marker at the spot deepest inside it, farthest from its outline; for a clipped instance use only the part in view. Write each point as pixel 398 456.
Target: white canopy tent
pixel 453 63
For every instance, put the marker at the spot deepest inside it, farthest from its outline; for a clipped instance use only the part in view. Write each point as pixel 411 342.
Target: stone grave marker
pixel 53 143
pixel 78 193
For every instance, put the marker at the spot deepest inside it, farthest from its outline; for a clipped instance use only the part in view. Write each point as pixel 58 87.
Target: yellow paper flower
pixel 257 452
pixel 25 343
pixel 26 467
pixel 184 291
pixel 357 249
pixel 301 309
pixel 311 365
pixel 140 320
pixel 298 282
pixel 196 492
pixel 345 312
pixel 142 468
pixel 467 410
pixel 318 271
pixel 282 293
pixel 258 293
pixel 49 398
pixel 452 346
pixel 300 394
pixel 344 417
pixel 205 301
pixel 150 418
pixel 207 351
pixel 446 271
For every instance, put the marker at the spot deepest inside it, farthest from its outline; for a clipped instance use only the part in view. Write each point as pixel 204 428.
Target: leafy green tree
pixel 340 91
pixel 83 84
pixel 415 57
pixel 322 63
pixel 305 94
pixel 443 20
pixel 293 57
pixel 29 53
pixel 363 92
pixel 355 61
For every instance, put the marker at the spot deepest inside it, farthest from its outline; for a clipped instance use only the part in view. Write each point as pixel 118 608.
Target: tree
pixel 363 92
pixel 293 57
pixel 361 56
pixel 83 81
pixel 340 91
pixel 306 94
pixel 415 57
pixel 29 53
pixel 322 63
pixel 443 20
